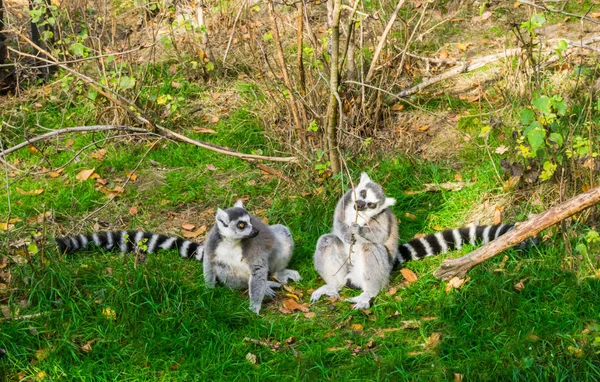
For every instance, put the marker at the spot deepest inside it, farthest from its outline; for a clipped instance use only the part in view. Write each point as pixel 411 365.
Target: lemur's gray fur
pixel 362 248
pixel 241 252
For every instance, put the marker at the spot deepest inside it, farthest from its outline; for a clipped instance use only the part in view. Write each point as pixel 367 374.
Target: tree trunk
pixel 332 108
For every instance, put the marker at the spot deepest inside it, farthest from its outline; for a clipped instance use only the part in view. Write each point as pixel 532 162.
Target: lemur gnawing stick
pixel 240 251
pixel 362 248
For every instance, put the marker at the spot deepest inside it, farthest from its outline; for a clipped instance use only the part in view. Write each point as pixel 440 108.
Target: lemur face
pixel 234 223
pixel 369 198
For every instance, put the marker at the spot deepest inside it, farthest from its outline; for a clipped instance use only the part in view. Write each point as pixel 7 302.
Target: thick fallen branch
pixel 522 231
pixel 469 66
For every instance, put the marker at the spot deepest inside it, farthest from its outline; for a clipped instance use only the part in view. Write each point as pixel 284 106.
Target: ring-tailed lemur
pixel 241 252
pixel 450 239
pixel 130 241
pixel 362 248
pixel 365 225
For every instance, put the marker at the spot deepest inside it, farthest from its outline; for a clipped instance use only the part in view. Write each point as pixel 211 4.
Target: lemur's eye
pixel 371 205
pixel 241 225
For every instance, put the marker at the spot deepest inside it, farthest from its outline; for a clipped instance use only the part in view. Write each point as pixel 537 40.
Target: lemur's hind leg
pixel 330 263
pixel 375 274
pixel 282 255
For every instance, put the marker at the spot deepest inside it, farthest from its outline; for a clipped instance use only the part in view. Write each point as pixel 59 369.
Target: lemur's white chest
pixel 229 253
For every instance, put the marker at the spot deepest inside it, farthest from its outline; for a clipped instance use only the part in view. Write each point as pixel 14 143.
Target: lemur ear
pixel 239 203
pixel 222 216
pixel 389 202
pixel 364 178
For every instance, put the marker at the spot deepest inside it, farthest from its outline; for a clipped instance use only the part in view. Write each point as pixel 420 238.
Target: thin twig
pixel 70 130
pixel 382 40
pixel 233 31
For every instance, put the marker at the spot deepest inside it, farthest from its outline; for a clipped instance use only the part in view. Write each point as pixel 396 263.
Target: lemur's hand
pixel 354 229
pixel 349 238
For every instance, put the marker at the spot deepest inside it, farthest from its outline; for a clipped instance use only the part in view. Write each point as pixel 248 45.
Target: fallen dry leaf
pixel 397 107
pixel 87 347
pixel 99 154
pixel 203 130
pixel 215 119
pixel 211 167
pixel 595 15
pixel 458 377
pixel 195 233
pixel 133 210
pixel 132 176
pixel 433 341
pixel 188 226
pixel 392 291
pixel 84 174
pixel 456 283
pixel 423 127
pixel 521 284
pixel 69 143
pixel 293 305
pixel 409 275
pixel 501 149
pixel 6 226
pixel 31 192
pixel 512 182
pixel 32 149
pixel 486 15
pixel 251 358
pixel 448 186
pixel 498 214
pixel 310 315
pixel 408 215
pixel 356 327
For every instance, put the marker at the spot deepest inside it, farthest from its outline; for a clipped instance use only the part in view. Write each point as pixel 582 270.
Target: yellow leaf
pixel 99 154
pixel 132 177
pixel 32 192
pixel 409 275
pixel 109 314
pixel 433 341
pixel 356 327
pixel 84 174
pixel 462 47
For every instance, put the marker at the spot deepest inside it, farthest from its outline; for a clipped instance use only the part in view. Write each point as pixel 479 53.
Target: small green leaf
pixel 556 138
pixel 78 49
pixel 210 66
pixel 527 115
pixel 560 105
pixel 549 169
pixel 126 83
pixel 92 95
pixel 592 236
pixel 312 126
pixel 536 138
pixel 32 248
pixel 542 104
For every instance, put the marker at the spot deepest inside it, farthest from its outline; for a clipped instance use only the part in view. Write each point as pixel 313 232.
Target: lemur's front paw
pixel 269 292
pixel 255 307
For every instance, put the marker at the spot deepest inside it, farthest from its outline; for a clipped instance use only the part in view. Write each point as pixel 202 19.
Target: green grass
pixel 169 326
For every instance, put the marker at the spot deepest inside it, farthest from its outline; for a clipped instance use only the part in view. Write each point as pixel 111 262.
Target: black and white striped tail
pixel 442 242
pixel 129 241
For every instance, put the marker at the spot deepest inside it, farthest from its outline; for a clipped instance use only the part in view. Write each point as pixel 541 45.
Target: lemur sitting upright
pixel 241 252
pixel 361 250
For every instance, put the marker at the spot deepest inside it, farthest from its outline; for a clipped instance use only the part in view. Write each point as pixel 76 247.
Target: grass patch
pixel 167 325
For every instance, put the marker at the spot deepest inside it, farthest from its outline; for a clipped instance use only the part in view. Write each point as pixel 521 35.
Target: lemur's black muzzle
pixel 360 205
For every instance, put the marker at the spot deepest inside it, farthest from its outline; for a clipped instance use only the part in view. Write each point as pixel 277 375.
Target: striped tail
pixel 442 242
pixel 129 241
